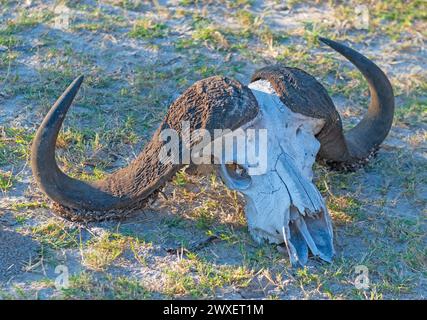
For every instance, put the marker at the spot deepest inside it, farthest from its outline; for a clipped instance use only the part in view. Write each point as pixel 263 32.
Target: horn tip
pixel 341 48
pixel 325 40
pixel 78 81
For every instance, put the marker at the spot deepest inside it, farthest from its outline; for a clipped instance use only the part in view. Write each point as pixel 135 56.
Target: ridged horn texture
pixel 212 103
pixel 302 93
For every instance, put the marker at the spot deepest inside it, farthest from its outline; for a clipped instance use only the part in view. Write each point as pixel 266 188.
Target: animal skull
pixel 282 204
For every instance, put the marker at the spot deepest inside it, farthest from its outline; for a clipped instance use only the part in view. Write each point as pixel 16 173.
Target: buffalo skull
pixel 282 204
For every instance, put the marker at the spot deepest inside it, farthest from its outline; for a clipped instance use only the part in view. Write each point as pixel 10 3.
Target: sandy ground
pixel 15 249
pixel 195 244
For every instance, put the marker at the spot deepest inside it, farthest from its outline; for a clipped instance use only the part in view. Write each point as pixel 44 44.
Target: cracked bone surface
pixel 282 204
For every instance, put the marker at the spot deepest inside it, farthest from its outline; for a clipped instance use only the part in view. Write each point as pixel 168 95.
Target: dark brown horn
pixel 212 103
pixel 358 142
pixel 302 93
pixel 59 187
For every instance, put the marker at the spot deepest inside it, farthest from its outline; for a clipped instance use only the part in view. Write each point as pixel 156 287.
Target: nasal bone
pixel 302 192
pixel 309 225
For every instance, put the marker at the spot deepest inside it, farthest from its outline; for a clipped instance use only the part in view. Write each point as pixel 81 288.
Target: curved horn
pixel 358 142
pixel 57 185
pixel 212 103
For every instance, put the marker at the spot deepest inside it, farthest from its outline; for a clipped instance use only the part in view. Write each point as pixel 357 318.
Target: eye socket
pixel 235 176
pixel 236 171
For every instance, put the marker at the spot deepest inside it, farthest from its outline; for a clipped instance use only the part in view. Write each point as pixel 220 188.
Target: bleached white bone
pixel 283 205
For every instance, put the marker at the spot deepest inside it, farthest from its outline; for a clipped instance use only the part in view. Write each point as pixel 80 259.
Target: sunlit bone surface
pixel 283 205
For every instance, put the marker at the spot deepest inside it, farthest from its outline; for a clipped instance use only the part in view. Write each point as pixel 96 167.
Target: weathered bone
pixel 283 204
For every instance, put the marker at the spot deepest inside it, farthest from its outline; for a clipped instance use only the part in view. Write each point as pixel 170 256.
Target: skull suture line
pixel 283 205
